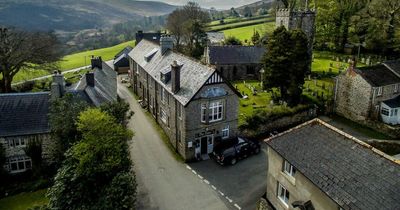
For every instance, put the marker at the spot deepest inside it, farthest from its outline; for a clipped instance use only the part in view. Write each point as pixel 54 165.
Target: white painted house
pixel 390 111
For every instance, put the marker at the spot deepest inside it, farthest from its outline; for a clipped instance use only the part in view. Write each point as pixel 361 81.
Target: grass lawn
pixel 75 60
pixel 240 24
pixel 24 201
pixel 360 128
pixel 245 33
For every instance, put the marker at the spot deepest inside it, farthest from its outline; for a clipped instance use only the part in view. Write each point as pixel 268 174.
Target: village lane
pixel 163 182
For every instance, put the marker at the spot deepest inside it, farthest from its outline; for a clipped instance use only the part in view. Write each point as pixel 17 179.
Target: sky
pixel 219 4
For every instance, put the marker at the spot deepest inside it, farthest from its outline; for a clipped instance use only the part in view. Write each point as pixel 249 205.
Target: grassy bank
pixel 24 201
pixel 245 33
pixel 74 61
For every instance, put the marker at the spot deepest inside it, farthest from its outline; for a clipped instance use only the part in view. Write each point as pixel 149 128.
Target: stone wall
pixel 282 123
pixel 47 145
pixel 249 71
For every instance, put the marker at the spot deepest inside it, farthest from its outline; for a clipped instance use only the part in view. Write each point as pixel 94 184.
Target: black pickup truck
pixel 232 150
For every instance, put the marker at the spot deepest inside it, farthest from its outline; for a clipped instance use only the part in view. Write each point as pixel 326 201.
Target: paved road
pixel 163 182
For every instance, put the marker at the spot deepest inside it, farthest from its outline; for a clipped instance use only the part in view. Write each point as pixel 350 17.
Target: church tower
pixel 303 18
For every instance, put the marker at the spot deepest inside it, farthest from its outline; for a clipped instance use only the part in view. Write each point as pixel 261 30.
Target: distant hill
pixel 255 7
pixel 74 15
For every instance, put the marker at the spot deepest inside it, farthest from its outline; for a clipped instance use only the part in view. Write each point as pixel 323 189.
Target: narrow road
pixel 163 182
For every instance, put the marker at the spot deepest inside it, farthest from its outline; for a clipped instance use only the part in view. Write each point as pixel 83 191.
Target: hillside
pixel 73 15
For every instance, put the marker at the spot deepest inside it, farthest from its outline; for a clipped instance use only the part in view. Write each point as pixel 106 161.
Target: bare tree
pixel 174 26
pixel 25 50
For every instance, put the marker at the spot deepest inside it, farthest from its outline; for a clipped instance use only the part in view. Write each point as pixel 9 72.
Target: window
pixel 163 116
pixel 12 143
pixel 380 90
pixel 283 195
pixel 19 164
pixel 396 88
pixel 162 92
pixel 203 112
pixel 216 109
pixel 288 168
pixel 385 111
pixel 395 112
pixel 225 132
pixel 250 70
pixel 179 110
pixel 391 112
pixel 137 69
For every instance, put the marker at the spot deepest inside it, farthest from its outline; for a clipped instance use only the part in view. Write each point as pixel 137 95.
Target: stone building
pixel 298 19
pixel 24 116
pixel 369 93
pixel 317 166
pixel 190 101
pixel 236 62
pixel 121 62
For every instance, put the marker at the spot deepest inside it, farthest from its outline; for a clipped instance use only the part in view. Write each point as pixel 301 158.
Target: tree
pixel 97 172
pixel 187 24
pixel 256 37
pixel 231 40
pixel 63 116
pixel 25 50
pixel 119 110
pixel 247 12
pixel 234 13
pixel 286 63
pixel 34 151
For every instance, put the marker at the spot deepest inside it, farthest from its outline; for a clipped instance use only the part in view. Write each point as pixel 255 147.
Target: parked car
pixel 232 150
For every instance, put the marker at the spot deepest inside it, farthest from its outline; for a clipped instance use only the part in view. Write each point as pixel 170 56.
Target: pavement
pixel 163 182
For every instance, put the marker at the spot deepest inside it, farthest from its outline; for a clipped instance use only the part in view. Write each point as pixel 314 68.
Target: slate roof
pixel 393 103
pixel 193 74
pixel 378 75
pixel 394 66
pixel 350 172
pixel 235 54
pixel 121 59
pixel 24 114
pixel 124 51
pixel 105 87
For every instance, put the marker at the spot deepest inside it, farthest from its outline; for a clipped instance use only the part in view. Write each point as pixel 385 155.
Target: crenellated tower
pixel 303 19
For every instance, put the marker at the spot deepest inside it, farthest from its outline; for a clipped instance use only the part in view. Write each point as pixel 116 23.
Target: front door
pixel 204 145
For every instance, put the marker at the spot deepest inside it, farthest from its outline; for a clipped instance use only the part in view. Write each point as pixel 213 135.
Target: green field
pixel 74 61
pixel 240 24
pixel 24 201
pixel 245 33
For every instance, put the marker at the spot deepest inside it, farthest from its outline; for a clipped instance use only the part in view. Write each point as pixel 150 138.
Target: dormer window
pixel 380 90
pixel 165 75
pixel 150 55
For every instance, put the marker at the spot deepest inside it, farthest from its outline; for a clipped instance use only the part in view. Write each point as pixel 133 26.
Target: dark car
pixel 232 150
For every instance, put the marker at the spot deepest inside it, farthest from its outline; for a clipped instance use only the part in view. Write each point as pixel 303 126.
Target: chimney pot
pixel 175 77
pixel 90 79
pixel 96 62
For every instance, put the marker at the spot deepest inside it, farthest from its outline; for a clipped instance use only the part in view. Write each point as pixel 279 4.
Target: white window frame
pixel 225 132
pixel 283 195
pixel 216 111
pixel 396 88
pixel 163 115
pixel 203 113
pixel 17 161
pixel 12 143
pixel 288 168
pixel 380 91
pixel 386 110
pixel 162 95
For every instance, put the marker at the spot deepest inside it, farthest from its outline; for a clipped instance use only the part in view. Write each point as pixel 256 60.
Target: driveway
pixel 243 183
pixel 163 182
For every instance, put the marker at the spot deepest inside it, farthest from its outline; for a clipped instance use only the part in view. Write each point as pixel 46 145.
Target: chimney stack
pixel 58 85
pixel 166 43
pixel 96 62
pixel 90 79
pixel 175 77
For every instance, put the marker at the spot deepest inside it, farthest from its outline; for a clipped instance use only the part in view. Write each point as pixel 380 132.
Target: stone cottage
pixel 24 116
pixel 193 104
pixel 236 62
pixel 121 63
pixel 369 93
pixel 317 166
